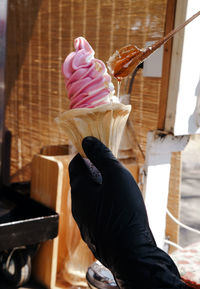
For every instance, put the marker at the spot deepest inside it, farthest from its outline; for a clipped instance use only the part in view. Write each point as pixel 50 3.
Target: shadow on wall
pixel 190 191
pixel 194 121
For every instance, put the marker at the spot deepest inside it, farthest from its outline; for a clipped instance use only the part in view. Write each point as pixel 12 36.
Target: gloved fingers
pixel 82 187
pixel 76 166
pixel 100 155
pixel 82 168
pixel 79 172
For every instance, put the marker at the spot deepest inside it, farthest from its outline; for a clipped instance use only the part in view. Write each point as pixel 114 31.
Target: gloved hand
pixel 113 222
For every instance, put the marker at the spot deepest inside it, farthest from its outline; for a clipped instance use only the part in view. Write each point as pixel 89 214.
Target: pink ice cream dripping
pixel 87 82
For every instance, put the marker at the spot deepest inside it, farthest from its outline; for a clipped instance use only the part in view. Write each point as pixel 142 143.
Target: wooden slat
pixel 47 189
pixel 172 229
pixel 169 25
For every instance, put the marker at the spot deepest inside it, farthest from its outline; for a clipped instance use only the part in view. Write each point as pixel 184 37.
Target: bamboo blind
pixel 40 35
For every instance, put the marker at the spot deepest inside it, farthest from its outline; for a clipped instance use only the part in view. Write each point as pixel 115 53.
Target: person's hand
pixel 113 222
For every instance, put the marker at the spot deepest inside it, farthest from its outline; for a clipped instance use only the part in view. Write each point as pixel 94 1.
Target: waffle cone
pixel 105 122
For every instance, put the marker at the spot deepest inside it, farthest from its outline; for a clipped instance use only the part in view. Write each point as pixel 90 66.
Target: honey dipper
pixel 126 59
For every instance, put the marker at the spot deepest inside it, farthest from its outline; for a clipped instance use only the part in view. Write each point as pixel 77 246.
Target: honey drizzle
pixel 126 60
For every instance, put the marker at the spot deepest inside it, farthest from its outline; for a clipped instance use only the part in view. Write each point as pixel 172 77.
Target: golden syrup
pixel 124 61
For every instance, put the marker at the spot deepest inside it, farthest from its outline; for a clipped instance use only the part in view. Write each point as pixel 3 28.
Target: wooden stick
pixel 170 34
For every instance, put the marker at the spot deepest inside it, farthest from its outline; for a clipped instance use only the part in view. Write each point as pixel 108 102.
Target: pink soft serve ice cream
pixel 94 109
pixel 87 82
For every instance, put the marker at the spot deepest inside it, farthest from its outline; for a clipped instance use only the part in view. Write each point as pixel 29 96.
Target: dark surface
pixel 30 285
pixel 24 221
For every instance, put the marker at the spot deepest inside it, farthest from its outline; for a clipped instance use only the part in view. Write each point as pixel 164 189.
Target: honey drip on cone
pixel 118 88
pixel 125 60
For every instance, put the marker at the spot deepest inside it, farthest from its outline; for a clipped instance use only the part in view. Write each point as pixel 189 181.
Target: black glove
pixel 113 222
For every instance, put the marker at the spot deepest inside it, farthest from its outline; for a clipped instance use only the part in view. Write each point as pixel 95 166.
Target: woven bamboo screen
pixel 40 35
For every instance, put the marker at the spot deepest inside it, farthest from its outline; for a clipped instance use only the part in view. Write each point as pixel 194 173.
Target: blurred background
pixel 40 34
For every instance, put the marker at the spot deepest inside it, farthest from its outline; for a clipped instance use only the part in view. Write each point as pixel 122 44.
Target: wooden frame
pixel 169 25
pixel 183 108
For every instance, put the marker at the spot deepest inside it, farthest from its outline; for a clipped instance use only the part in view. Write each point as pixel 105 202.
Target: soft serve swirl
pixel 87 82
